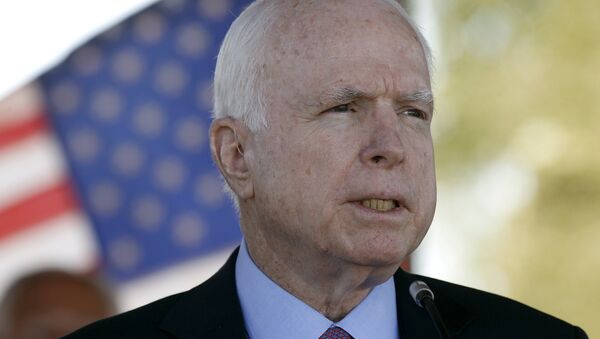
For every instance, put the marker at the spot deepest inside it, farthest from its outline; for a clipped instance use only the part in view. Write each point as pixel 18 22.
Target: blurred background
pixel 104 167
pixel 517 132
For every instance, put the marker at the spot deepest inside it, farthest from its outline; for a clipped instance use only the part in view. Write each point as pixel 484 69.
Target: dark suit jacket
pixel 212 310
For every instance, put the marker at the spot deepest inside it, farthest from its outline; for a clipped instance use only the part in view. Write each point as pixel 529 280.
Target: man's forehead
pixel 398 76
pixel 366 50
pixel 319 33
pixel 324 7
pixel 296 21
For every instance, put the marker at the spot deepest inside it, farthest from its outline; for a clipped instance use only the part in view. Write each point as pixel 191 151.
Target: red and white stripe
pixel 41 224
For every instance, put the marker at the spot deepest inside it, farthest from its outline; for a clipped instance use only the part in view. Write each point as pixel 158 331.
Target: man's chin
pixel 380 257
pixel 381 266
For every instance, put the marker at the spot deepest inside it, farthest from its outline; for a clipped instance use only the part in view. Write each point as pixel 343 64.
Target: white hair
pixel 239 86
pixel 238 89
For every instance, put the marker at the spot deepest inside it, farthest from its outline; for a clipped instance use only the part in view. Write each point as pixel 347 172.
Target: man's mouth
pixel 382 205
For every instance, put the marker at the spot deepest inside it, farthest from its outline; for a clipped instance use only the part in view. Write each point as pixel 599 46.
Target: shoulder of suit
pixel 173 313
pixel 490 310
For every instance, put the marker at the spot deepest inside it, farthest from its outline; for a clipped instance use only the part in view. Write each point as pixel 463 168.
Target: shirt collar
pixel 272 312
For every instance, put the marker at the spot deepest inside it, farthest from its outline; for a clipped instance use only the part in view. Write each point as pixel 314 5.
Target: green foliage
pixel 523 78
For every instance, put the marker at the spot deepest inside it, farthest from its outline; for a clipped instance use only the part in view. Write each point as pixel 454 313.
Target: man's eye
pixel 413 112
pixel 341 109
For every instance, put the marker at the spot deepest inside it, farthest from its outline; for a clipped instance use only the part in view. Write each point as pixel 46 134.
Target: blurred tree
pixel 522 82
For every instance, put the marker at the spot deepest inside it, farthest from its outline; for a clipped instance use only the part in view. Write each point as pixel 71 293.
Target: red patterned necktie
pixel 335 332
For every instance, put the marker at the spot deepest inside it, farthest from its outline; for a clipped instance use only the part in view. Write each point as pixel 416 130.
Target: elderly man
pixel 323 111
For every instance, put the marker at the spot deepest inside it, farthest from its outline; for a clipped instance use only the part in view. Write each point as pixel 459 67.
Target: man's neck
pixel 332 287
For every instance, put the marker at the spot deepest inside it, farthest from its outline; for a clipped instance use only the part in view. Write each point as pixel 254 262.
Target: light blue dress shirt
pixel 270 312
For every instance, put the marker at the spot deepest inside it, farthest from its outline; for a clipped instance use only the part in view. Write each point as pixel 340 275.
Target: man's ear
pixel 228 138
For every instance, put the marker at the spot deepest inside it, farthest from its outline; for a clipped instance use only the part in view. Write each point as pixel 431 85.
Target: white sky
pixel 35 35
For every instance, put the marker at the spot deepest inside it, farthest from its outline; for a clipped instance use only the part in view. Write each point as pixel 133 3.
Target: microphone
pixel 423 297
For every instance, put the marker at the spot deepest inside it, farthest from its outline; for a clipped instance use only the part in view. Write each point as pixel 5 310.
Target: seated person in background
pixel 51 303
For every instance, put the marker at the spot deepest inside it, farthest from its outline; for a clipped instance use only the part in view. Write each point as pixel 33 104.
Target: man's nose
pixel 385 148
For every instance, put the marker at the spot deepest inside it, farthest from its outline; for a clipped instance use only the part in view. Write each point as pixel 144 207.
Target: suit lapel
pixel 414 322
pixel 210 310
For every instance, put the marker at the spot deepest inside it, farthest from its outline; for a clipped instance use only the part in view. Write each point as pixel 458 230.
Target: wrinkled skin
pixel 348 119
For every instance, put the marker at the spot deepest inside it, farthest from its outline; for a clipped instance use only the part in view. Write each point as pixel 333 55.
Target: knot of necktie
pixel 335 332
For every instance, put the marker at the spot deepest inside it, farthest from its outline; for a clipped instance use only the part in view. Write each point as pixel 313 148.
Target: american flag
pixel 104 161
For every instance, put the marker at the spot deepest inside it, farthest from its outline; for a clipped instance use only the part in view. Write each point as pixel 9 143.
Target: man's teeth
pixel 379 204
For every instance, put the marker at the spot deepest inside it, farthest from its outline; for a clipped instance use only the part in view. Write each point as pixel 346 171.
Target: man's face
pixel 345 168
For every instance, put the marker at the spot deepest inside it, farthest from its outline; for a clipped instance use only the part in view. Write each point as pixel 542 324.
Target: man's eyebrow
pixel 424 97
pixel 348 94
pixel 342 95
